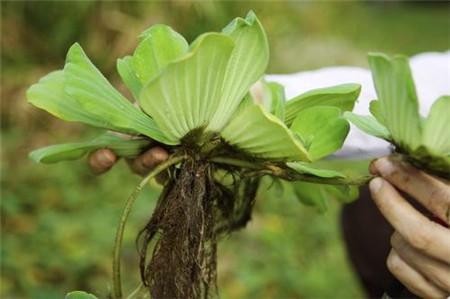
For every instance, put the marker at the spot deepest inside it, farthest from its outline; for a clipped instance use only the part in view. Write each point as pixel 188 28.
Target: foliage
pixel 396 118
pixel 189 96
pixel 42 210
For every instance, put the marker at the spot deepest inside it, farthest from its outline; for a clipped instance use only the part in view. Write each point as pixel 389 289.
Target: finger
pixel 412 279
pixel 101 160
pixel 432 193
pixel 434 270
pixel 149 160
pixel 423 234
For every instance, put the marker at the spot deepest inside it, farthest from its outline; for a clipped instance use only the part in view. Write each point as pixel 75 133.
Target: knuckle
pixel 420 238
pixel 394 264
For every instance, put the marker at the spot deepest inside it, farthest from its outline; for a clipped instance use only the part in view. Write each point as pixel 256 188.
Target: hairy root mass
pixel 192 211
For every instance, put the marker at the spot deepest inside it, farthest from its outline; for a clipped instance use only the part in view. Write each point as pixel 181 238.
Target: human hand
pixel 420 254
pixel 103 159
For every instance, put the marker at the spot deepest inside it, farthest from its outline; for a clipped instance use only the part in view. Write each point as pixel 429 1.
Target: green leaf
pixel 263 135
pixel 341 96
pixel 84 83
pixel 318 195
pixel 323 128
pixel 368 124
pixel 436 132
pixel 48 94
pixel 397 99
pixel 375 110
pixel 79 295
pixel 186 94
pixel 319 172
pixel 160 45
pixel 428 159
pixel 125 67
pixel 247 64
pixel 278 99
pixel 73 151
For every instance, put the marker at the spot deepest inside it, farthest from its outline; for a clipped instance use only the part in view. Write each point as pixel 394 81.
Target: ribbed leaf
pixel 48 94
pixel 187 92
pixel 319 172
pixel 368 124
pixel 341 96
pixel 125 67
pixel 247 64
pixel 322 129
pixel 431 161
pixel 436 131
pixel 79 295
pixel 318 195
pixel 375 110
pixel 261 134
pixel 84 83
pixel 397 99
pixel 160 46
pixel 73 151
pixel 278 99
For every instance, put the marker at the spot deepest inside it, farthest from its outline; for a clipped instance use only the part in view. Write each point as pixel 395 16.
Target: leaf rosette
pixel 424 142
pixel 197 100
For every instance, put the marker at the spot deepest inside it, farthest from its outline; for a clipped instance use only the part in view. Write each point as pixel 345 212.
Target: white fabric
pixel 431 72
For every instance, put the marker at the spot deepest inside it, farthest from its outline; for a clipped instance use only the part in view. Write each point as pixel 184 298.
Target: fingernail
pixel 375 185
pixel 384 166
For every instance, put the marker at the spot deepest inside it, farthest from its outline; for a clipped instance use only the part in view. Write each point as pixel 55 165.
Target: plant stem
pixel 260 169
pixel 126 212
pixel 237 162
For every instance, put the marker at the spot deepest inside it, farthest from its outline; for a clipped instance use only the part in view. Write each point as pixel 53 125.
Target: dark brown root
pixel 191 212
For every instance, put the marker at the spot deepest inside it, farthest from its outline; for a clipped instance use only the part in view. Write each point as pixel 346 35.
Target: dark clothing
pixel 367 236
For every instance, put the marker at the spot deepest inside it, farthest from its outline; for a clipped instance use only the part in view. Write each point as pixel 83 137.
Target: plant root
pixel 193 210
pixel 183 264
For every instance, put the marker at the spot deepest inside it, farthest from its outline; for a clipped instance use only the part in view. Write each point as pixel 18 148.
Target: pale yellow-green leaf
pixel 160 46
pixel 341 96
pixel 397 99
pixel 322 129
pixel 125 67
pixel 436 131
pixel 247 64
pixel 263 135
pixel 85 84
pixel 73 151
pixel 187 92
pixel 368 124
pixel 315 171
pixel 48 94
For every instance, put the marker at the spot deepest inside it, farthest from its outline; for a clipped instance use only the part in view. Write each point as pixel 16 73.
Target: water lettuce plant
pixel 195 100
pixel 423 142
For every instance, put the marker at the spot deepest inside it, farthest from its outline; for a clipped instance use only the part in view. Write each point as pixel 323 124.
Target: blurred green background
pixel 59 222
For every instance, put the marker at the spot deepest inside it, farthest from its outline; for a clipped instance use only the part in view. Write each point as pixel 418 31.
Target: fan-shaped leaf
pixel 436 131
pixel 48 94
pixel 160 46
pixel 125 67
pixel 368 124
pixel 323 128
pixel 319 172
pixel 247 64
pixel 84 83
pixel 73 151
pixel 187 93
pixel 79 295
pixel 261 134
pixel 341 96
pixel 318 195
pixel 397 99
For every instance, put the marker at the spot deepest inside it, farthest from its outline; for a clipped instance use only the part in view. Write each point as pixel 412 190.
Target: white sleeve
pixel 431 72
